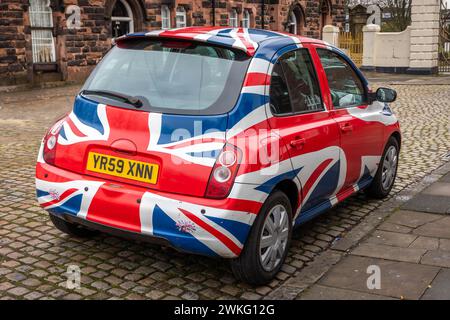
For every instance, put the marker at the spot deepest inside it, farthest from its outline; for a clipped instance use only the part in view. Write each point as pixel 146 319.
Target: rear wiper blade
pixel 124 97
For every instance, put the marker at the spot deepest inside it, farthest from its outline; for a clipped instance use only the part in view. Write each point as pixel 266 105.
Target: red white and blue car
pixel 217 141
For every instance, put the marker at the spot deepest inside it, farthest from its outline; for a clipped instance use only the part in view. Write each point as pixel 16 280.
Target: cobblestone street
pixel 34 255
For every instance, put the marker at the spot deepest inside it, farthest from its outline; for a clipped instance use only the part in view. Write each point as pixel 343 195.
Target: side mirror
pixel 385 95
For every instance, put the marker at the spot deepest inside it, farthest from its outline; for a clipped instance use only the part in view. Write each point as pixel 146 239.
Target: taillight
pixel 50 141
pixel 224 172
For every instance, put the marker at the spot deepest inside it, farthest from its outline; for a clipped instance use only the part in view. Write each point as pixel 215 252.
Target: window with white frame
pixel 292 23
pixel 246 19
pixel 181 17
pixel 165 17
pixel 234 18
pixel 122 19
pixel 41 22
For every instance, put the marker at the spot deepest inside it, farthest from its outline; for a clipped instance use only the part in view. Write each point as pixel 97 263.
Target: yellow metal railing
pixel 352 45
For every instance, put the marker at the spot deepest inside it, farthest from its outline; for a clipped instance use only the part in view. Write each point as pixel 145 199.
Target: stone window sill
pixel 45 67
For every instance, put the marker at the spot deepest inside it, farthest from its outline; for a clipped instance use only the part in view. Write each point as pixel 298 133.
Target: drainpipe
pixel 263 9
pixel 213 5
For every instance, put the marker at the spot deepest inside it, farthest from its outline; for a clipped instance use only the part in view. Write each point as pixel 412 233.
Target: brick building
pixel 42 40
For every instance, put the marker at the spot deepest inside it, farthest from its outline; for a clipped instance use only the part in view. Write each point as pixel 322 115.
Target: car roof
pixel 247 40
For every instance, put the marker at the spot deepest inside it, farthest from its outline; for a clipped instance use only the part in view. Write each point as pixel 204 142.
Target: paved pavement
pixel 407 79
pixel 411 248
pixel 34 256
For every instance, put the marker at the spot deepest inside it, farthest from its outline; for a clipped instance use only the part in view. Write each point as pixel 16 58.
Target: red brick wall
pixel 13 60
pixel 85 46
pixel 79 50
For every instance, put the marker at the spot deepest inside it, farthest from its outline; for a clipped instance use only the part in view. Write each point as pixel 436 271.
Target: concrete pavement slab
pixel 398 279
pixel 444 244
pixel 445 178
pixel 391 238
pixel 439 189
pixel 428 203
pixel 319 292
pixel 444 170
pixel 437 229
pixel 411 219
pixel 389 252
pixel 440 287
pixel 387 226
pixel 369 223
pixel 438 258
pixel 427 243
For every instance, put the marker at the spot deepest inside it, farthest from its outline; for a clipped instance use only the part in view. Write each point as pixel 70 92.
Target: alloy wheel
pixel 389 167
pixel 274 238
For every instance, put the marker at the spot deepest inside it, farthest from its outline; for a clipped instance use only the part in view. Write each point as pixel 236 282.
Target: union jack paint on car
pixel 217 141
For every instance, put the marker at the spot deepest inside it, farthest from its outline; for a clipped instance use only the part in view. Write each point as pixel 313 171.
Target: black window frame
pixel 289 114
pixel 355 72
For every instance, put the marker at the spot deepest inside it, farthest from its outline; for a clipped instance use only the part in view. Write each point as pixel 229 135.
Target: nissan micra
pixel 217 141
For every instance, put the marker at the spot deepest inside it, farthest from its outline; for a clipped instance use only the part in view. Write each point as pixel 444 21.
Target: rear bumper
pixel 190 224
pixel 111 230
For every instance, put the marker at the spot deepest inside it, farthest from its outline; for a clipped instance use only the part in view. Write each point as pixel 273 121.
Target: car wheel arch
pixel 290 188
pixel 397 137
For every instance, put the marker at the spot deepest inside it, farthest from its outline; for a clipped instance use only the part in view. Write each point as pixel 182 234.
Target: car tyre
pixel 72 229
pixel 387 171
pixel 252 265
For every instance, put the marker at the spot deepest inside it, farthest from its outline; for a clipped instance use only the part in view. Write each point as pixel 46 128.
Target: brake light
pixel 50 141
pixel 224 172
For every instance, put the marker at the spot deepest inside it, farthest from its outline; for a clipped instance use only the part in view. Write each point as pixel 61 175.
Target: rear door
pixel 311 135
pixel 361 138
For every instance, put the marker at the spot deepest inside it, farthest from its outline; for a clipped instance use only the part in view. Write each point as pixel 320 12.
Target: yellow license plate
pixel 121 167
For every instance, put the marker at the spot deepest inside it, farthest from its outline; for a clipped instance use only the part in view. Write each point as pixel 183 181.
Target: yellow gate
pixel 352 45
pixel 444 39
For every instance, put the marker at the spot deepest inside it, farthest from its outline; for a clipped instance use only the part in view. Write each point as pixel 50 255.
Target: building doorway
pixel 325 15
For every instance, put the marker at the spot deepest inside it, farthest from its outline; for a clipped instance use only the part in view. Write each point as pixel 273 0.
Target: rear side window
pixel 347 89
pixel 280 102
pixel 294 87
pixel 177 77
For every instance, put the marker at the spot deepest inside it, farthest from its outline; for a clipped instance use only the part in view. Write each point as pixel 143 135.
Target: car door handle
pixel 346 127
pixel 298 143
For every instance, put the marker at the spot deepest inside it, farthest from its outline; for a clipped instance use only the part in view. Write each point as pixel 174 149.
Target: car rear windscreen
pixel 177 77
